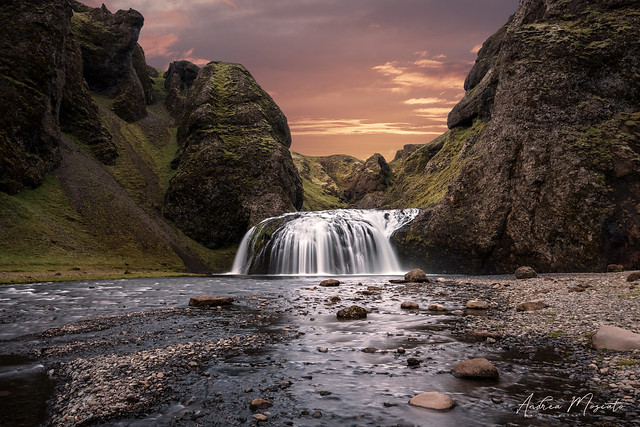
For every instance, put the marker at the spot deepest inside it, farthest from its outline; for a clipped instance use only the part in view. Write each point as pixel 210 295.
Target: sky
pixel 353 77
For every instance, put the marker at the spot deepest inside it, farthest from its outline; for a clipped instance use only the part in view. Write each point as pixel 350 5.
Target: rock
pixel 475 368
pixel 633 277
pixel 177 81
pixel 525 273
pixel 369 350
pixel 416 276
pixel 611 268
pixel 477 305
pixel 576 288
pixel 436 307
pixel 208 301
pixel 487 215
pixel 433 400
pixel 481 335
pixel 351 313
pixel 260 417
pixel 317 414
pixel 409 306
pixel 260 403
pixel 335 298
pixel 401 350
pixel 413 362
pixel 330 283
pixel 234 168
pixel 323 349
pixel 457 312
pixel 368 183
pixel 532 305
pixel 614 338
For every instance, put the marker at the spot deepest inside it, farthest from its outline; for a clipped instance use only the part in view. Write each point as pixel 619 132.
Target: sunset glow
pixel 354 77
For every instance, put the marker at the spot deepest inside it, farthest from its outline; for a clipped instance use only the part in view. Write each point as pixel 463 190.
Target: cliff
pixel 541 163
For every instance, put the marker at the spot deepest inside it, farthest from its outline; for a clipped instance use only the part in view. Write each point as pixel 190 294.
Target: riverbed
pixel 131 352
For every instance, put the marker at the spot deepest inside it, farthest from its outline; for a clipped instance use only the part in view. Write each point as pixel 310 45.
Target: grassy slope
pixel 90 220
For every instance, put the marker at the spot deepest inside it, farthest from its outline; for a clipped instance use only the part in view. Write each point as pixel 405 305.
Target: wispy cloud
pixel 423 73
pixel 428 101
pixel 311 126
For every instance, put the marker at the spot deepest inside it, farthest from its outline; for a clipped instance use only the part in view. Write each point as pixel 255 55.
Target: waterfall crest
pixel 343 241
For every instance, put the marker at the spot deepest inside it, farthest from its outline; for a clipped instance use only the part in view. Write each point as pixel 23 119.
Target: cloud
pixel 433 112
pixel 405 77
pixel 476 48
pixel 428 101
pixel 313 126
pixel 158 44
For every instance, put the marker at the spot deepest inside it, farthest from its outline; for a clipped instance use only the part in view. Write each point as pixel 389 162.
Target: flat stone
pixel 260 417
pixel 614 338
pixel 533 305
pixel 477 304
pixel 576 289
pixel 475 368
pixel 407 305
pixel 330 283
pixel 260 403
pixel 416 276
pixel 208 301
pixel 436 307
pixel 525 272
pixel 353 312
pixel 481 335
pixel 413 362
pixel 433 400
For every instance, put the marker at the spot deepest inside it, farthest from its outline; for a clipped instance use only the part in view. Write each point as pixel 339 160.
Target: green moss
pixel 628 362
pixel 557 334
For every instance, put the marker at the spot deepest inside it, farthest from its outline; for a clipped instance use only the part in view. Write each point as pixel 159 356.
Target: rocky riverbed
pixel 192 366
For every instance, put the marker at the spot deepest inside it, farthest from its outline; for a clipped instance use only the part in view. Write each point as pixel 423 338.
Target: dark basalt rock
pixel 352 313
pixel 367 186
pixel 32 41
pixel 178 80
pixel 235 168
pixel 108 42
pixel 139 63
pixel 541 165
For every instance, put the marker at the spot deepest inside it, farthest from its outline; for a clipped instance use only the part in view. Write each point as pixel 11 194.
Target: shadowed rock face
pixel 548 145
pixel 178 80
pixel 108 42
pixel 32 40
pixel 235 168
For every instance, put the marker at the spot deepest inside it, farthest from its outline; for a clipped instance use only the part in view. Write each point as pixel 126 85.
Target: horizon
pixel 357 78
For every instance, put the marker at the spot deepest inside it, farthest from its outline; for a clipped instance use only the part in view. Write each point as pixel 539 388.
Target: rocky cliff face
pixel 544 147
pixel 235 168
pixel 177 81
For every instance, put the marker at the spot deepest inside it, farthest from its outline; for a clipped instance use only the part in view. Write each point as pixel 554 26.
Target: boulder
pixel 525 272
pixel 481 335
pixel 208 301
pixel 614 268
pixel 234 168
pixel 532 305
pixel 614 338
pixel 407 305
pixel 351 313
pixel 475 368
pixel 329 283
pixel 477 304
pixel 634 276
pixel 370 178
pixel 416 276
pixel 433 400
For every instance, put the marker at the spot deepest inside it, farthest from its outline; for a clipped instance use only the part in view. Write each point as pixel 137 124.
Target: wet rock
pixel 533 305
pixel 353 312
pixel 433 400
pixel 633 276
pixel 614 268
pixel 317 414
pixel 369 350
pixel 335 298
pixel 413 362
pixel 330 283
pixel 475 368
pixel 436 307
pixel 481 335
pixel 525 272
pixel 401 350
pixel 260 403
pixel 260 417
pixel 477 305
pixel 208 301
pixel 407 305
pixel 323 349
pixel 614 338
pixel 416 276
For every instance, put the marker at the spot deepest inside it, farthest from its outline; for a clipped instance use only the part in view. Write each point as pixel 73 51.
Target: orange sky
pixel 352 76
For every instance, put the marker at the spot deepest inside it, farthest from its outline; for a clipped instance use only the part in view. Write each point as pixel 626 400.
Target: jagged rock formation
pixel 177 81
pixel 544 149
pixel 109 44
pixel 235 168
pixel 367 186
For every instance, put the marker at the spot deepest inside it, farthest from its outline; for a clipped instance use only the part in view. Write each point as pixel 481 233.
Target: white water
pixel 343 241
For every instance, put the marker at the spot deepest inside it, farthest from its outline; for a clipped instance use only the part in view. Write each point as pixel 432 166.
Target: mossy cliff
pixel 541 165
pixel 234 168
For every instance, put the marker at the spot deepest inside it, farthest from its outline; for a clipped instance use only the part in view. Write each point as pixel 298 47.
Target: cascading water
pixel 343 241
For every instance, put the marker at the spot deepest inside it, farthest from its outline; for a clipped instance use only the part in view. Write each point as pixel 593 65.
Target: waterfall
pixel 343 241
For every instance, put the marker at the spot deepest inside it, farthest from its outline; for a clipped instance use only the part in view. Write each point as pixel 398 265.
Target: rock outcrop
pixel 177 81
pixel 541 166
pixel 234 167
pixel 108 42
pixel 367 186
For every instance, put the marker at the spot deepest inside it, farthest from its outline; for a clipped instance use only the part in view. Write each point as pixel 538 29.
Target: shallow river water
pixel 327 370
